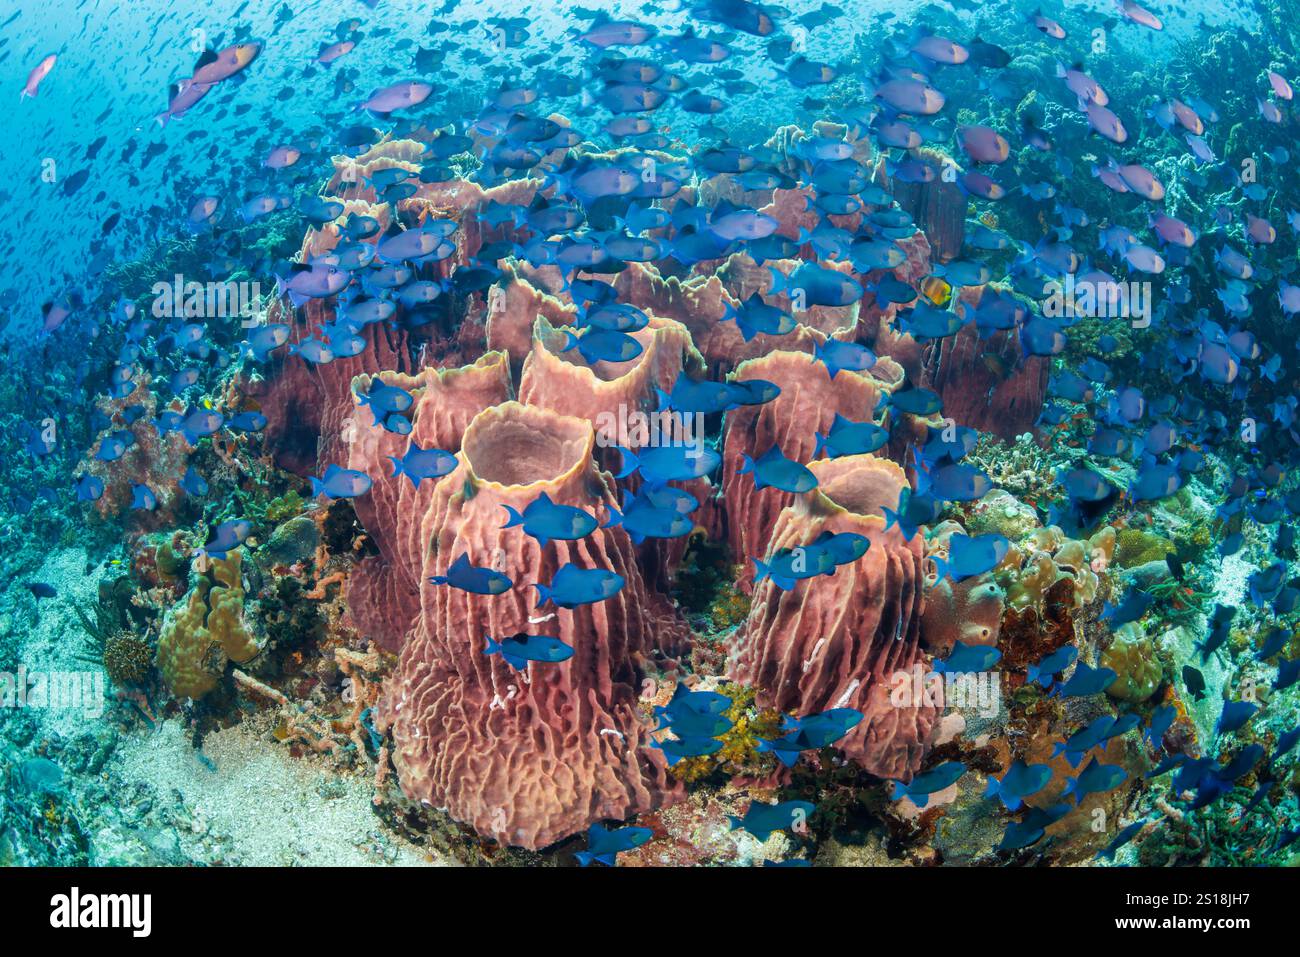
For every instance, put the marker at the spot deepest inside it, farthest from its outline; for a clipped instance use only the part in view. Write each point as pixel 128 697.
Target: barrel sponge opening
pixel 512 444
pixel 861 484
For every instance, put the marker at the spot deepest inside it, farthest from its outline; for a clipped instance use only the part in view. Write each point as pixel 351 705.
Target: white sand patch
pixel 261 806
pixel 49 638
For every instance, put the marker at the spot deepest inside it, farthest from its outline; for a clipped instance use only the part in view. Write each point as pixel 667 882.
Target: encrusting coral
pixel 206 630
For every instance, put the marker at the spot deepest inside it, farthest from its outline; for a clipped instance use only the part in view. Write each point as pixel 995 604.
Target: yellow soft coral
pixel 205 631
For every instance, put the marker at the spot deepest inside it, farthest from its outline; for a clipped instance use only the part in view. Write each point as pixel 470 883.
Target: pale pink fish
pixel 41 71
pixel 1173 231
pixel 1106 123
pixel 1187 117
pixel 611 33
pixel 1144 259
pixel 1280 86
pixel 203 208
pixel 1200 149
pixel 1260 231
pixel 1083 86
pixel 984 145
pixel 329 52
pixel 398 96
pixel 941 50
pixel 215 66
pixel 981 185
pixel 1139 15
pixel 281 157
pixel 1268 109
pixel 1288 297
pixel 54 314
pixel 180 98
pixel 1109 176
pixel 1048 26
pixel 898 134
pixel 1142 181
pixel 911 96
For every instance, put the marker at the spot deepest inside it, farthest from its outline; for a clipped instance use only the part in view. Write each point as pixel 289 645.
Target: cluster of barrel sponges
pixel 533 756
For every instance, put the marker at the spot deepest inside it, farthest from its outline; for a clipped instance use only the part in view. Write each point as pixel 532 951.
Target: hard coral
pixel 1132 656
pixel 206 630
pixel 128 658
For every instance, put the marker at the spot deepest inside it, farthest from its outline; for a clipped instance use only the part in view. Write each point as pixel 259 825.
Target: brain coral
pixel 1132 656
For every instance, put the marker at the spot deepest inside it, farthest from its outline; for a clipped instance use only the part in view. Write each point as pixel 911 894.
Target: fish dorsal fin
pixel 207 56
pixel 461 562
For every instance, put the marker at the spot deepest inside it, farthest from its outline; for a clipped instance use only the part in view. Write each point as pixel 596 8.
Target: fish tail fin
pixel 317 486
pixel 615 517
pixel 515 517
pixel 493 646
pixel 760 570
pixel 820 444
pixel 543 595
pixel 630 462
